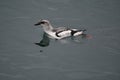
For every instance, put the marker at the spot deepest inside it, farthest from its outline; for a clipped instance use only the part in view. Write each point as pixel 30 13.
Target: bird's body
pixel 60 32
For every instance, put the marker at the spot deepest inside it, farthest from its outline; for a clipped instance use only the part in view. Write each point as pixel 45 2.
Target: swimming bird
pixel 60 32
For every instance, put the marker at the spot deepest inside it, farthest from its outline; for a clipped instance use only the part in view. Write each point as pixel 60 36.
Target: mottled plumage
pixel 60 32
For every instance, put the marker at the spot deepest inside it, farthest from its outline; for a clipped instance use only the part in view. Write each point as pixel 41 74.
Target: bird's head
pixel 43 23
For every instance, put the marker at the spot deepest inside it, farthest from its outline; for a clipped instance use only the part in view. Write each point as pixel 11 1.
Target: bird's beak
pixel 39 23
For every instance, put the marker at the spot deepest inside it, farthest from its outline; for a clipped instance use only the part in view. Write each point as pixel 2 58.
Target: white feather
pixel 78 33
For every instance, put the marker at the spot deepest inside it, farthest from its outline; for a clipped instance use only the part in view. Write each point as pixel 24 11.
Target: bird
pixel 59 32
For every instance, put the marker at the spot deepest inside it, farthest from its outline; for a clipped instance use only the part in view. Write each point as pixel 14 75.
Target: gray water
pixel 90 59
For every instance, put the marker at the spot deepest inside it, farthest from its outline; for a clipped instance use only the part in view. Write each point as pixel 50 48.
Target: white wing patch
pixel 65 33
pixel 78 33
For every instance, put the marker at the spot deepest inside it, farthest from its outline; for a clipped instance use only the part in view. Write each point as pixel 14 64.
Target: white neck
pixel 47 27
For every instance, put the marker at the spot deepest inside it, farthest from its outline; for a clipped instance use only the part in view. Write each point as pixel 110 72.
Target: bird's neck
pixel 47 27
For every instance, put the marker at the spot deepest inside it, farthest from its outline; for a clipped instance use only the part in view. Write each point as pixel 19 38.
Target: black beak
pixel 39 23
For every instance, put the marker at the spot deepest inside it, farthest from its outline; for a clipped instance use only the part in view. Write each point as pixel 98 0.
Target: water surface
pixel 91 59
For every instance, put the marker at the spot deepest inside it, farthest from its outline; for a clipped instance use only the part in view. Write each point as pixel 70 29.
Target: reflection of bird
pixel 44 42
pixel 58 33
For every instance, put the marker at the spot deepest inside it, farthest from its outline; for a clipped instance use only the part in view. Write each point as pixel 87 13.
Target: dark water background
pixel 93 59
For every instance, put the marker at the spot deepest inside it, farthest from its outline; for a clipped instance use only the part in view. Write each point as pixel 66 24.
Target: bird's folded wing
pixel 60 29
